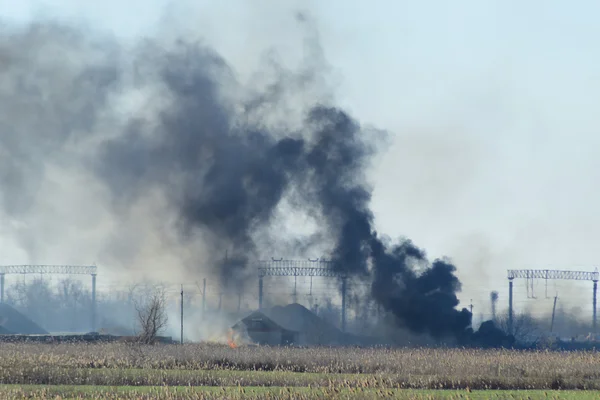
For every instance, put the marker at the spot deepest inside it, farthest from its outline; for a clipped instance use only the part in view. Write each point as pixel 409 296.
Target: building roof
pixel 13 321
pixel 266 322
pixel 295 318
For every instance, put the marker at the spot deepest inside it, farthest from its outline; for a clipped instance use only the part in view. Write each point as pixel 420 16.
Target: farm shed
pixel 13 322
pixel 260 329
pixel 293 324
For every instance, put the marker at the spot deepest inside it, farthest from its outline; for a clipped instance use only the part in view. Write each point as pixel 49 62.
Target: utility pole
pixel 310 295
pixel 2 287
pixel 510 305
pixel 344 279
pixel 260 292
pixel 93 302
pixel 295 294
pixel 181 314
pixel 204 298
pixel 594 306
pixel 220 296
pixel 553 313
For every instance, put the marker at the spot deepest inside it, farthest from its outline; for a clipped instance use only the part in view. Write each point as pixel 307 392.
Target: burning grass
pixel 122 364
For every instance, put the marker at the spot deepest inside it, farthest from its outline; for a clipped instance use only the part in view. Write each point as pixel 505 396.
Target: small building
pixel 293 324
pixel 260 329
pixel 13 322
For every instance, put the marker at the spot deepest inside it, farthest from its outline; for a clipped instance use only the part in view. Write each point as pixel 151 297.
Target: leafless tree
pixel 38 301
pixel 151 314
pixel 525 328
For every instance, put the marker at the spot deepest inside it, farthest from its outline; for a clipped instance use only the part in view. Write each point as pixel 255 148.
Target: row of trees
pixel 142 311
pixel 65 306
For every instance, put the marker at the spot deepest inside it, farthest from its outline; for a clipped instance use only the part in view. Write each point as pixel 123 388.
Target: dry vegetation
pixel 123 364
pixel 181 393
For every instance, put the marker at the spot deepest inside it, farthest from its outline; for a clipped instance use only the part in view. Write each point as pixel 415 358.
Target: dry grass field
pixel 121 370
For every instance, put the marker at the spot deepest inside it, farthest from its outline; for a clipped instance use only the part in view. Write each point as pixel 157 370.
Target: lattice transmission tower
pixel 548 274
pixel 296 268
pixel 53 270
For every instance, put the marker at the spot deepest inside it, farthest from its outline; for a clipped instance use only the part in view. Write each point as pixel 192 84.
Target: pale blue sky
pixel 493 105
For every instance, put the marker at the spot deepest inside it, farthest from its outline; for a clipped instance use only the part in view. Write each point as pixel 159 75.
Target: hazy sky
pixel 492 105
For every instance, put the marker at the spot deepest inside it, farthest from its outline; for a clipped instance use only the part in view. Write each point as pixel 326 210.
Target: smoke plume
pixel 170 124
pixel 494 301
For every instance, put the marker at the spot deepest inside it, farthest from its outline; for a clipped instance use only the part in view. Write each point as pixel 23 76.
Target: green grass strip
pixel 202 392
pixel 51 375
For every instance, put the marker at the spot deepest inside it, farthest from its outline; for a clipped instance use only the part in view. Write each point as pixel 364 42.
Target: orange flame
pixel 230 340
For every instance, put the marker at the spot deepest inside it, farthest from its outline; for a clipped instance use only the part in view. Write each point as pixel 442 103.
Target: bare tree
pixel 38 301
pixel 151 315
pixel 525 328
pixel 75 303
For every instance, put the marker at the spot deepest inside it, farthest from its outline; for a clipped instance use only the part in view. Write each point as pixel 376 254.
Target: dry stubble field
pixel 217 371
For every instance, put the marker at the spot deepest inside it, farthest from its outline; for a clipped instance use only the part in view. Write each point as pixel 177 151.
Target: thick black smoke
pixel 222 165
pixel 424 301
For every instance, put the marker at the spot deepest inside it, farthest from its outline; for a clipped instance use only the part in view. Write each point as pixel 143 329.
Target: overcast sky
pixel 492 105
